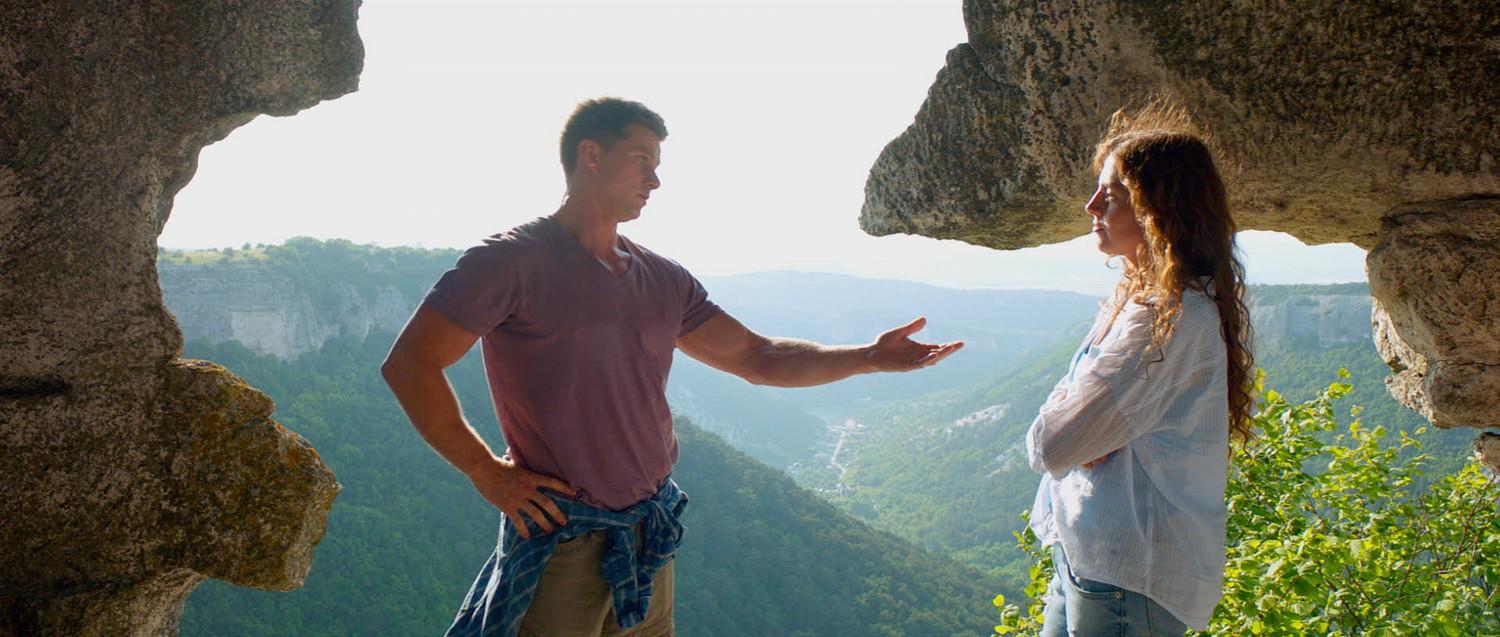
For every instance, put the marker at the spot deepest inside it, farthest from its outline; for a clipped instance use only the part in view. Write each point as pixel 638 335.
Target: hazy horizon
pixel 754 273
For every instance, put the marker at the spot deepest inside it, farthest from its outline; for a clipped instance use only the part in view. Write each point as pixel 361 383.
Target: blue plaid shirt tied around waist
pixel 507 582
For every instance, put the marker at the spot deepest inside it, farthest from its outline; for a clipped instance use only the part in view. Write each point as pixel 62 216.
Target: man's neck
pixel 594 230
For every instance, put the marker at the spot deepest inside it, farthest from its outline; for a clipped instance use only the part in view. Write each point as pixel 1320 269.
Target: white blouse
pixel 1150 519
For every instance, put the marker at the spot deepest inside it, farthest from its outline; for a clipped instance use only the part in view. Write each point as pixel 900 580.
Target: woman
pixel 1134 441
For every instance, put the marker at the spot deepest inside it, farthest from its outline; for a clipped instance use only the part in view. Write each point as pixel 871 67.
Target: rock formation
pixel 1318 321
pixel 1487 448
pixel 1375 124
pixel 270 314
pixel 1435 275
pixel 131 475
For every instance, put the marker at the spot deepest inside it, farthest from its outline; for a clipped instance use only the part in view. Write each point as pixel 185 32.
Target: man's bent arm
pixel 428 344
pixel 725 344
pixel 414 371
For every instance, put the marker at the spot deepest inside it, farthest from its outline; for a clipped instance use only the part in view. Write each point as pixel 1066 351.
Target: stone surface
pixel 269 313
pixel 1436 278
pixel 1324 115
pixel 1371 123
pixel 1487 448
pixel 130 475
pixel 1315 321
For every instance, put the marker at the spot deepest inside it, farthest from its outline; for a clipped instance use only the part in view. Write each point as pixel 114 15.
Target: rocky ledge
pixel 1375 124
pixel 132 475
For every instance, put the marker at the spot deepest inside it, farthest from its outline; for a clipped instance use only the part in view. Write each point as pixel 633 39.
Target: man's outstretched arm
pixel 414 370
pixel 725 344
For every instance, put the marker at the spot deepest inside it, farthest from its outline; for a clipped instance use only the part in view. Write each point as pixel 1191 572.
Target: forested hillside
pixel 999 327
pixel 934 458
pixel 949 471
pixel 1299 366
pixel 288 299
pixel 762 556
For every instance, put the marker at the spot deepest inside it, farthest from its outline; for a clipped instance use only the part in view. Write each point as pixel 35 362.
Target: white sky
pixel 776 111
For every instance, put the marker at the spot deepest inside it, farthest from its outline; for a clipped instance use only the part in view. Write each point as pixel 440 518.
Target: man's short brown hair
pixel 605 120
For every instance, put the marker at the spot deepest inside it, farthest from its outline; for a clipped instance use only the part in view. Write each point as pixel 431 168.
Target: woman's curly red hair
pixel 1187 236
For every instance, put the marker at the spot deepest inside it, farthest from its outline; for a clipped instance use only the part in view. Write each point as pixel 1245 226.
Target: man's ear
pixel 589 152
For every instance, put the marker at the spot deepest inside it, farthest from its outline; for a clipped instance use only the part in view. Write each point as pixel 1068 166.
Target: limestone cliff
pixel 267 311
pixel 1318 321
pixel 131 475
pixel 1371 123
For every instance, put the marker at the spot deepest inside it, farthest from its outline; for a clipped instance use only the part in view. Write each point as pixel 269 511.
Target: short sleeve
pixel 697 309
pixel 482 289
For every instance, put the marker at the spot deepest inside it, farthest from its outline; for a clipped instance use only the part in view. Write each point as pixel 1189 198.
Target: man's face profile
pixel 627 172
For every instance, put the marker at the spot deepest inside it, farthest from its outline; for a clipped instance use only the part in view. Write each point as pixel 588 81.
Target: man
pixel 579 325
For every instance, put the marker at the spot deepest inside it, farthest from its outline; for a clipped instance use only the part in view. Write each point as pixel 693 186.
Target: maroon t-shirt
pixel 577 358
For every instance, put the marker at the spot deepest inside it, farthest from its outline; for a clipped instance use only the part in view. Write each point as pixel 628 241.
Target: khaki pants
pixel 573 600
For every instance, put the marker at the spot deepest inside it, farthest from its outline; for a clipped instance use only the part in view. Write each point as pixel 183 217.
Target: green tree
pixel 1336 533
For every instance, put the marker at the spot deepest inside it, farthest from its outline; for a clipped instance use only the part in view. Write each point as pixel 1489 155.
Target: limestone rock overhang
pixel 1373 124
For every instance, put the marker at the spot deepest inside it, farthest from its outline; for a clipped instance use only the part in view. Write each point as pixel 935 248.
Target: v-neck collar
pixel 621 244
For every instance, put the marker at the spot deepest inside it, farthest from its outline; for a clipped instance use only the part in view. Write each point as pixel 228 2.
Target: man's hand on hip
pixel 516 491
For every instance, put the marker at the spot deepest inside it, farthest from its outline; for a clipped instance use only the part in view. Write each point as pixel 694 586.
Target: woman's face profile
pixel 1114 223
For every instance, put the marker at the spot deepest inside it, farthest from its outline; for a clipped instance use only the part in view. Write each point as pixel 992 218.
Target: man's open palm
pixel 894 351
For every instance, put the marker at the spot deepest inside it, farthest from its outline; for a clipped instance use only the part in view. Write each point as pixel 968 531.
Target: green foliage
pixel 1013 620
pixel 769 558
pixel 326 270
pixel 320 267
pixel 1302 373
pixel 765 557
pixel 1329 537
pixel 1331 531
pixel 244 255
pixel 1265 295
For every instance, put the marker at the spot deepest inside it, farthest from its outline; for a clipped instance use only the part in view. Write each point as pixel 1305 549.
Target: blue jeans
pixel 1078 607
